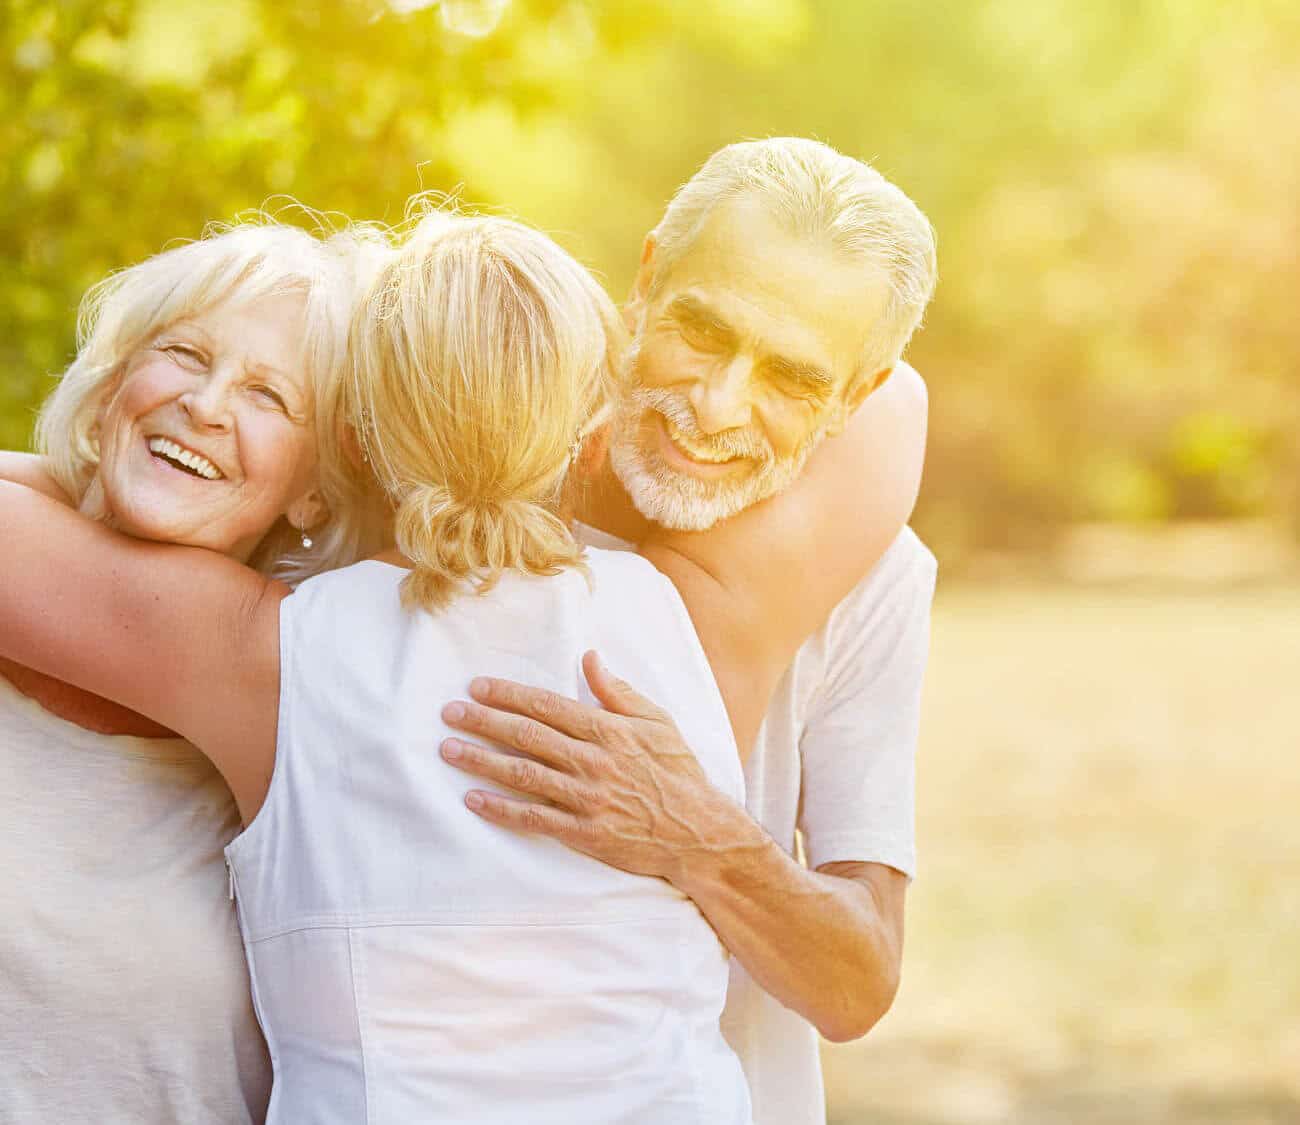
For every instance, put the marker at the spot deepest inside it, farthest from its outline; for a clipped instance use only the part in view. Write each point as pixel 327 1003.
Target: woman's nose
pixel 208 405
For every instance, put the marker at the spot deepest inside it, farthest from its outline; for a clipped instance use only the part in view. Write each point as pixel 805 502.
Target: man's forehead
pixel 794 296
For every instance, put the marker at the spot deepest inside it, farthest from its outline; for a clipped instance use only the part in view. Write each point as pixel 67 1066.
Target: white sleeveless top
pixel 413 963
pixel 123 991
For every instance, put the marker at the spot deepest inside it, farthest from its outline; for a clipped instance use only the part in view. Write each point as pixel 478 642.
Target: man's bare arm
pixel 759 584
pixel 826 943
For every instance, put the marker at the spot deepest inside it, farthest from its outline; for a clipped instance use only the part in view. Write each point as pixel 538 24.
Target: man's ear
pixel 635 304
pixel 860 388
pixel 593 451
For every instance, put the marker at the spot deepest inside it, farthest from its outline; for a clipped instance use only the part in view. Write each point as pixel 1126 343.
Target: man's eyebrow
pixel 695 311
pixel 802 372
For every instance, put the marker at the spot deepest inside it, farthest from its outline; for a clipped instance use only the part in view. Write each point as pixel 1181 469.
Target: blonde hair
pixel 481 357
pixel 817 193
pixel 254 258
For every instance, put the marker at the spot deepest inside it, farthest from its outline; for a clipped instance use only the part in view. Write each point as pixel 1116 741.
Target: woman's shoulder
pixel 359 598
pixel 622 564
pixel 364 576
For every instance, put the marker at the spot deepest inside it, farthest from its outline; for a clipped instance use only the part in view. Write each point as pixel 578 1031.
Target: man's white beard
pixel 682 502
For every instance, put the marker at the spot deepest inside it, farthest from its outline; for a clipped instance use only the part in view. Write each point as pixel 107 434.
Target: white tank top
pixel 413 963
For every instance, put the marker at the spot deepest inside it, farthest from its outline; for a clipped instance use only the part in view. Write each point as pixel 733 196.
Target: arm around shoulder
pixel 759 584
pixel 185 636
pixel 31 471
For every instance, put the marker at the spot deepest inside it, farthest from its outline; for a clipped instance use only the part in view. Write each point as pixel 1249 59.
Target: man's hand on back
pixel 619 784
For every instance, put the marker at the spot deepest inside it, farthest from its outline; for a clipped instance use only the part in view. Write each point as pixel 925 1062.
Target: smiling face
pixel 749 352
pixel 207 438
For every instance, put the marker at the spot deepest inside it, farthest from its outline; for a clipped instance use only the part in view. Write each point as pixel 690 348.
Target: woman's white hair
pixel 817 193
pixel 255 258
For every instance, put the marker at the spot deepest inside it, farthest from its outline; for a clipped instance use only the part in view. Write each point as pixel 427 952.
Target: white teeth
pixel 679 439
pixel 187 457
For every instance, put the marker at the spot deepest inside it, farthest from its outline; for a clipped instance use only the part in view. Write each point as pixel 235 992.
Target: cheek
pixel 788 423
pixel 145 387
pixel 667 362
pixel 278 456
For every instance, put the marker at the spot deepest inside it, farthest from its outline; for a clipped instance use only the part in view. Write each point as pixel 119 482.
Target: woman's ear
pixel 351 445
pixel 308 511
pixel 111 385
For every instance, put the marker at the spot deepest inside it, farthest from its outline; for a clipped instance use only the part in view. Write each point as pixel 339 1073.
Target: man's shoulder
pixel 907 571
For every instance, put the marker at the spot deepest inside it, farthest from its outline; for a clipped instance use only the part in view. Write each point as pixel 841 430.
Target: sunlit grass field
pixel 1106 928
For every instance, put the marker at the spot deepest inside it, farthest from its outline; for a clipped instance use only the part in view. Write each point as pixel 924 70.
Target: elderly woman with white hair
pixel 187 417
pixel 409 963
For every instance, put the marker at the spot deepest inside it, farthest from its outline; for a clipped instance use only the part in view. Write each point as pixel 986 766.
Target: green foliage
pixel 1116 187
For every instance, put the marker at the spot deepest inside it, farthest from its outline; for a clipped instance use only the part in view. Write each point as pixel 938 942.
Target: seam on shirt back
pixel 356 966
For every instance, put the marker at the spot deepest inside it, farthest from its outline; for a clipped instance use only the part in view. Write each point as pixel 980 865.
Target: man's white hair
pixel 817 193
pixel 255 258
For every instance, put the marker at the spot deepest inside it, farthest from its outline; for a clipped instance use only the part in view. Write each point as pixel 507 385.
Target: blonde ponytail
pixel 481 356
pixel 450 541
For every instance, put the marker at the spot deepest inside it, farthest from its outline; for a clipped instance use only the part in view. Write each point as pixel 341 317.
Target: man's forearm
pixel 823 944
pixel 622 786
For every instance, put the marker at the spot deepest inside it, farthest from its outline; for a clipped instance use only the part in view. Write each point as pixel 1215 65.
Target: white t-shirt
pixel 834 761
pixel 123 989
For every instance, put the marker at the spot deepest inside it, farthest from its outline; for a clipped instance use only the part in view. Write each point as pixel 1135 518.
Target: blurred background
pixel 1107 923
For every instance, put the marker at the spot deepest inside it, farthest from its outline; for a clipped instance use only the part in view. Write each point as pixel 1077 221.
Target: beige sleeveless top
pixel 123 990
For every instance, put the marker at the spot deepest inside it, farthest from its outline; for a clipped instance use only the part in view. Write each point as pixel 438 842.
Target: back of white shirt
pixel 412 962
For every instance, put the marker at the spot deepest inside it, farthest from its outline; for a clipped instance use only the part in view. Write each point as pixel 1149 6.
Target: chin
pixel 680 502
pixel 144 518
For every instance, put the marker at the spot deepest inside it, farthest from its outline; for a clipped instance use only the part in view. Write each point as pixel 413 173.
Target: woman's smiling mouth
pixel 186 460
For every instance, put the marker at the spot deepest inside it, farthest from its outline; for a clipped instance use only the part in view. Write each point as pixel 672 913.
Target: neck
pixel 604 504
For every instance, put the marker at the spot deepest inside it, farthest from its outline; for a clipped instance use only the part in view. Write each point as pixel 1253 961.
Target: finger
pixel 516 731
pixel 520 774
pixel 617 695
pixel 525 816
pixel 559 712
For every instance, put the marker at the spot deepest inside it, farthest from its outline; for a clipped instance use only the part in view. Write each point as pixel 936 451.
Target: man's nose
pixel 209 404
pixel 722 400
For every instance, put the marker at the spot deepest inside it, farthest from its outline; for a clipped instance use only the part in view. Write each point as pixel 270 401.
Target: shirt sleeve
pixel 858 746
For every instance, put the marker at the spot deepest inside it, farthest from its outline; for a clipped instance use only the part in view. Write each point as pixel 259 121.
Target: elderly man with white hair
pixel 773 300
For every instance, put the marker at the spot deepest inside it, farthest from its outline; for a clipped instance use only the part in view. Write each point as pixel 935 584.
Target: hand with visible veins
pixel 619 784
pixel 622 786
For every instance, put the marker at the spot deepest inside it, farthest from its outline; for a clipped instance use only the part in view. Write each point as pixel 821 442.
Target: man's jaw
pixel 689 498
pixel 672 488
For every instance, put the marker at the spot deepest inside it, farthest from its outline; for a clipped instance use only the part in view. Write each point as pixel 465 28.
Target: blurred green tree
pixel 1116 188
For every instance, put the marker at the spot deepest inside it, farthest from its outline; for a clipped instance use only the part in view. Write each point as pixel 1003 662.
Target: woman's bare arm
pixel 188 637
pixel 30 469
pixel 759 584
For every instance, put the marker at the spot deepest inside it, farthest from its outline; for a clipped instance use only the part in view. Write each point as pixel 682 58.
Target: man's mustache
pixel 748 442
